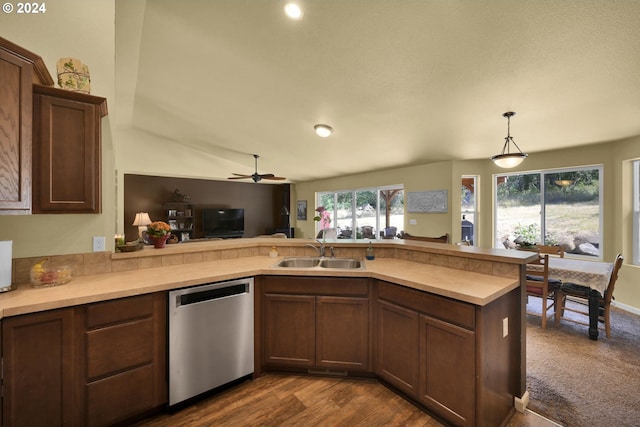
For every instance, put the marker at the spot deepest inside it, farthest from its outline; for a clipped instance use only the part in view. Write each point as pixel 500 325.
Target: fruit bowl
pixel 46 276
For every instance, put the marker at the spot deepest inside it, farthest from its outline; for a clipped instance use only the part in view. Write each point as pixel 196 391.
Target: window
pixel 551 207
pixel 469 214
pixel 367 213
pixel 636 212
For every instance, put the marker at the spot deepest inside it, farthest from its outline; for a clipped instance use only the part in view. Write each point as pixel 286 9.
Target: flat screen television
pixel 222 222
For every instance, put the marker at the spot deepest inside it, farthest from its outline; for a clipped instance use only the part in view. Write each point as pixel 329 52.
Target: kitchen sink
pixel 299 262
pixel 346 263
pixel 315 263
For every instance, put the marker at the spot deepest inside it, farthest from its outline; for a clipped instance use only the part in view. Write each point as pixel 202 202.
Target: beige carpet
pixel 579 382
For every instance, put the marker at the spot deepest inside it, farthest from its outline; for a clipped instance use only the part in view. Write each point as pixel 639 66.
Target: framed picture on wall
pixel 302 209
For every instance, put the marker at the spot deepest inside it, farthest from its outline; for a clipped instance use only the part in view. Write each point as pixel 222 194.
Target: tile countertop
pixel 467 286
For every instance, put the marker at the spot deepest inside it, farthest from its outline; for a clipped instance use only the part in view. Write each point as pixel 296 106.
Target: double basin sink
pixel 315 262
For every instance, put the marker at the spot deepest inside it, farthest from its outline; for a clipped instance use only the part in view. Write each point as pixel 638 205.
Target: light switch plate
pixel 99 244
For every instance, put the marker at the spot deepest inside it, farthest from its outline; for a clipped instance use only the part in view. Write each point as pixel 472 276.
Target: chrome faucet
pixel 321 249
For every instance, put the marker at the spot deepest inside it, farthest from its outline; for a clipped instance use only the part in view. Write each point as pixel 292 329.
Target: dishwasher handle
pixel 211 294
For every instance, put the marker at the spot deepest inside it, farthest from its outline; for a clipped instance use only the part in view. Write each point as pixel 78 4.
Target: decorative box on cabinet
pixel 19 69
pixel 67 151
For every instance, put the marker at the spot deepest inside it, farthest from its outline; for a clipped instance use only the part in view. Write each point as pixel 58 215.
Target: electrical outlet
pixel 413 221
pixel 99 244
pixel 505 327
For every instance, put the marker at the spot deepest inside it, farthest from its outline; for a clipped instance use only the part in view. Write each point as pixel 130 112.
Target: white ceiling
pixel 403 82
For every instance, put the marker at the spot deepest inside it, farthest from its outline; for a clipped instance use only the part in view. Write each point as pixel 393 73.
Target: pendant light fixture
pixel 507 159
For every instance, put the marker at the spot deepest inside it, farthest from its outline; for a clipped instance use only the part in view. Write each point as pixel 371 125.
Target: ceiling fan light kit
pixel 507 159
pixel 257 177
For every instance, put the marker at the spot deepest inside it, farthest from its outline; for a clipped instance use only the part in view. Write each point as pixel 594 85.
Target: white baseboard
pixel 521 403
pixel 625 307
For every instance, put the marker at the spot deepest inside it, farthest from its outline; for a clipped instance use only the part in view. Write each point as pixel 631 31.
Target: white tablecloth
pixel 594 274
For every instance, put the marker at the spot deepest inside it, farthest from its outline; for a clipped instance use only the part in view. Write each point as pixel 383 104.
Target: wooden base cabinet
pixel 398 349
pixel 39 365
pixel 92 365
pixel 452 357
pixel 447 370
pixel 124 345
pixel 314 322
pixel 290 330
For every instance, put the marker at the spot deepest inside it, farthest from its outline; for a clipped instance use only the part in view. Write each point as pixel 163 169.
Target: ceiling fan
pixel 257 176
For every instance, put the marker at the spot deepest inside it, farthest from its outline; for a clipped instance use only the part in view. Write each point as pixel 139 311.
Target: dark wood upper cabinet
pixel 67 151
pixel 19 69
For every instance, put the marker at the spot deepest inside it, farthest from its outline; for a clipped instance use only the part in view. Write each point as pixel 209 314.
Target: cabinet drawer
pixel 116 348
pixel 119 397
pixel 120 310
pixel 455 312
pixel 300 285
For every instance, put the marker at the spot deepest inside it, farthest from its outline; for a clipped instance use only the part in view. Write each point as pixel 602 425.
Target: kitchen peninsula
pixel 460 305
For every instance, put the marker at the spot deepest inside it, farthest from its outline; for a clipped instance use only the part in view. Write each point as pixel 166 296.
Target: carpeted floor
pixel 579 382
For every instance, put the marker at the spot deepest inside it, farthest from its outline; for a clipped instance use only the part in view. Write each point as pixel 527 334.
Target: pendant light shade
pixel 507 159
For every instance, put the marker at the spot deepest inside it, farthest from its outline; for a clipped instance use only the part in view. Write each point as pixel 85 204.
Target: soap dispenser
pixel 370 252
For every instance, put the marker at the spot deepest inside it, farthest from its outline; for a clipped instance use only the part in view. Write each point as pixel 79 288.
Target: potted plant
pixel 159 232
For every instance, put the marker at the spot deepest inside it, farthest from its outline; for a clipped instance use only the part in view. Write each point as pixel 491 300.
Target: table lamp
pixel 141 221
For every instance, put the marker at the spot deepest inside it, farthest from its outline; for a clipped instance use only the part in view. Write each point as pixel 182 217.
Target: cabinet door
pixel 397 353
pixel 342 333
pixel 447 370
pixel 289 330
pixel 67 157
pixel 38 352
pixel 15 134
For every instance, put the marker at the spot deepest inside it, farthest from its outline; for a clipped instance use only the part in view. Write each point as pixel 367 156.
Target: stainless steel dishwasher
pixel 210 337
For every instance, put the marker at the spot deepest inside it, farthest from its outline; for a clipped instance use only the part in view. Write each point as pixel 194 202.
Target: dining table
pixel 591 273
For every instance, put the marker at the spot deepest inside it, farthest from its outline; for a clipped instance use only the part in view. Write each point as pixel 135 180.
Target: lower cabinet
pixel 39 363
pixel 314 322
pixel 447 370
pixel 429 359
pixel 398 347
pixel 123 343
pixel 92 365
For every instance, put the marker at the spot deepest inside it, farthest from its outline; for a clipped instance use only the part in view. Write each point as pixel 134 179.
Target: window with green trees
pixel 368 213
pixel 552 207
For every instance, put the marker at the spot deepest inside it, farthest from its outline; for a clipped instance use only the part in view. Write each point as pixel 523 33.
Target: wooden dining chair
pixel 580 294
pixel 539 285
pixel 557 250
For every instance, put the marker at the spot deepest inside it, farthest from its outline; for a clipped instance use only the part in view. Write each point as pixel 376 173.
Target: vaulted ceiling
pixel 402 82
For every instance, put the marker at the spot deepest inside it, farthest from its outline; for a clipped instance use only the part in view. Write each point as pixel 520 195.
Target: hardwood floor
pixel 290 400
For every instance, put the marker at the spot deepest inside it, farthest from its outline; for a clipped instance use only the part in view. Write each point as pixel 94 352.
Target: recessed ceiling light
pixel 293 11
pixel 323 130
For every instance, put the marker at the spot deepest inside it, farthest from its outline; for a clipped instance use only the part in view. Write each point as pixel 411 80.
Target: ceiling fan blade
pixel 256 177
